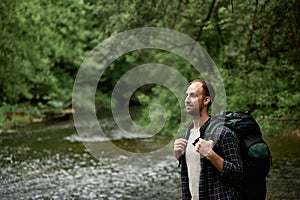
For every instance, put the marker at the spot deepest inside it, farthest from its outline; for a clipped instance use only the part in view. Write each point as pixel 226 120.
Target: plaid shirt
pixel 215 184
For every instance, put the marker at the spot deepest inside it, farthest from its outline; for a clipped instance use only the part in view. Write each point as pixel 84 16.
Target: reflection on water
pixel 284 178
pixel 46 162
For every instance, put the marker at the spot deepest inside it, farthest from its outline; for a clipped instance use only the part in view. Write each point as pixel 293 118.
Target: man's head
pixel 199 97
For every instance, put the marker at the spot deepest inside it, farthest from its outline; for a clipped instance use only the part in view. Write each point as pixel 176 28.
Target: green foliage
pixel 255 45
pixel 15 115
pixel 43 44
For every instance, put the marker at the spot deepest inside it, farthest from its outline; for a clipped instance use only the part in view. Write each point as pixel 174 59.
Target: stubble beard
pixel 194 112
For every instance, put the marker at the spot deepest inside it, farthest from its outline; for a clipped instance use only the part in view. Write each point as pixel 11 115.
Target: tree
pixel 254 44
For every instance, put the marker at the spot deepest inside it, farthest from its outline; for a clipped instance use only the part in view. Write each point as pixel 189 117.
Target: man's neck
pixel 200 120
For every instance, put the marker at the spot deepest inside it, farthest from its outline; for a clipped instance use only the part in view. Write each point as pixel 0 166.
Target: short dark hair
pixel 208 90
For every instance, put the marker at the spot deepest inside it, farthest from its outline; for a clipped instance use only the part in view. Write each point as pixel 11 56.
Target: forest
pixel 255 45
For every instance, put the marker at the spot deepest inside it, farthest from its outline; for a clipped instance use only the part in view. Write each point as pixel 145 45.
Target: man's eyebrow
pixel 191 93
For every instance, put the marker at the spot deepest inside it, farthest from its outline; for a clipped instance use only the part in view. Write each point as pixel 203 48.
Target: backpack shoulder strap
pixel 210 132
pixel 188 132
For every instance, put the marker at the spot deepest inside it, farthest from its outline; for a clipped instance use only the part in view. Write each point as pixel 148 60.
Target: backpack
pixel 255 153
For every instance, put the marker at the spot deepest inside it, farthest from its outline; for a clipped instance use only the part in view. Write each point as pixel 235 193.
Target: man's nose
pixel 187 100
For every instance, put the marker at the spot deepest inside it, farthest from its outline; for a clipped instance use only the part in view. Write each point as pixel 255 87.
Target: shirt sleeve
pixel 229 150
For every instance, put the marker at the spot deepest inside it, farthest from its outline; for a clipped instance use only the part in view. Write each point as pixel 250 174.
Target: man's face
pixel 194 99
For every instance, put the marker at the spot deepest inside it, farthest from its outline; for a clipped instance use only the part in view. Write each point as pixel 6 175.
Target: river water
pixel 49 161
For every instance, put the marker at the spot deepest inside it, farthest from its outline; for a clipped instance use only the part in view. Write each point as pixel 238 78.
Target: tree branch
pixel 249 40
pixel 205 20
pixel 175 18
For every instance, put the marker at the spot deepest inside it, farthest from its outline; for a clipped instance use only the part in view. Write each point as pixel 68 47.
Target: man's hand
pixel 179 147
pixel 204 147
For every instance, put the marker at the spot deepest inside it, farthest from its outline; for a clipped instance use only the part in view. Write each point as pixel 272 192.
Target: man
pixel 208 171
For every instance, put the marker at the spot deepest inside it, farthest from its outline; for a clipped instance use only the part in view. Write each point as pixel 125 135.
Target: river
pixel 48 161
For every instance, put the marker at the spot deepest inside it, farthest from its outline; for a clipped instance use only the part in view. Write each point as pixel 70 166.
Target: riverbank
pixel 13 120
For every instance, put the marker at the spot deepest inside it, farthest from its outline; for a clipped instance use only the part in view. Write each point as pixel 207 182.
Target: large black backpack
pixel 255 153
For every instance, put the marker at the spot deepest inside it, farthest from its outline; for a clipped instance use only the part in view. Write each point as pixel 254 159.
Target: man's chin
pixel 192 112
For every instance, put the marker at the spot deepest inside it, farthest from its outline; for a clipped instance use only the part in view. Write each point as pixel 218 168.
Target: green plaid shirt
pixel 214 184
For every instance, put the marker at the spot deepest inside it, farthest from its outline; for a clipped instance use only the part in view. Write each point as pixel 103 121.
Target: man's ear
pixel 206 100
